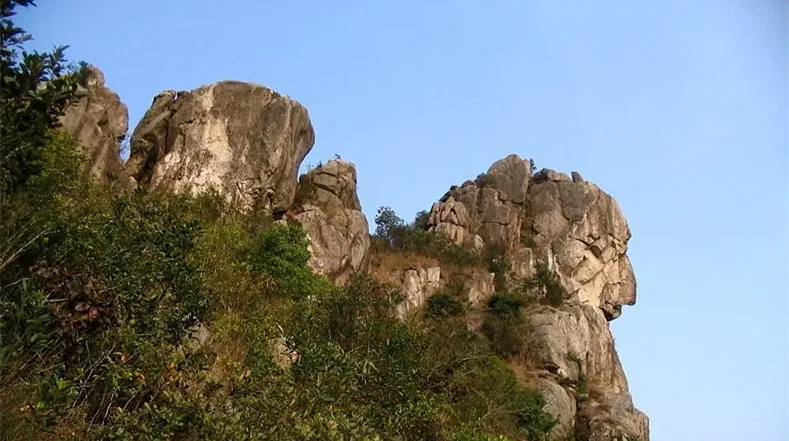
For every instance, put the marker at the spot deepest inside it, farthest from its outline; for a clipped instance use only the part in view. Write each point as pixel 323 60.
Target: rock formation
pixel 571 224
pixel 100 121
pixel 244 140
pixel 580 233
pixel 328 209
pixel 247 142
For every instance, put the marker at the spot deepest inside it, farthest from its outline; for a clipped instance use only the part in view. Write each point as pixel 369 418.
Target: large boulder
pixel 241 139
pixel 328 209
pixel 581 229
pixel 100 121
pixel 568 223
pixel 573 348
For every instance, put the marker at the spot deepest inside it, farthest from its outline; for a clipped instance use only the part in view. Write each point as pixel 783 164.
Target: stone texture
pixel 100 121
pixel 587 235
pixel 570 223
pixel 580 232
pixel 571 345
pixel 328 209
pixel 244 140
pixel 479 288
pixel 489 207
pixel 417 285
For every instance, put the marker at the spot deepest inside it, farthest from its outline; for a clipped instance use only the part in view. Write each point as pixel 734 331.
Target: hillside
pixel 203 290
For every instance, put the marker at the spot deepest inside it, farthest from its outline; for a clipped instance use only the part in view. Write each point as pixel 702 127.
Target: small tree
pixel 35 91
pixel 387 223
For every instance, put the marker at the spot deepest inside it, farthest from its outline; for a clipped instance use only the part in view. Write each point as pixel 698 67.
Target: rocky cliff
pixel 242 139
pixel 100 121
pixel 579 232
pixel 248 142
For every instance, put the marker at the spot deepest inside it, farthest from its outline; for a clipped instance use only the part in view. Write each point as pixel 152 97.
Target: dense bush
pixel 444 304
pixel 393 233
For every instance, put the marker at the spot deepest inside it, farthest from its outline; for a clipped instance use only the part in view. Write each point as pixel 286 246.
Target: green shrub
pixel 533 421
pixel 505 303
pixel 444 304
pixel 281 254
pixel 393 233
pixel 544 287
pixel 506 333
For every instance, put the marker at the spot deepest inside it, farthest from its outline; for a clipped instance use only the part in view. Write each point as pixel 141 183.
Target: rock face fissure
pixel 248 142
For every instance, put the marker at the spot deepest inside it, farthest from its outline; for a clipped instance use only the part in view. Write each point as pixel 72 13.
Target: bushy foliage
pixel 544 287
pixel 444 304
pixel 392 233
pixel 36 89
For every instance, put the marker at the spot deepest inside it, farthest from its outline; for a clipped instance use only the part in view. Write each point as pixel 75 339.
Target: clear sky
pixel 678 108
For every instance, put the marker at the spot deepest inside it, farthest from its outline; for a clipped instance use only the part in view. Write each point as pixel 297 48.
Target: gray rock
pixel 242 139
pixel 328 209
pixel 100 121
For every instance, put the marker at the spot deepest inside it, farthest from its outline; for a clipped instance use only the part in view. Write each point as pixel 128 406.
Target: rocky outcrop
pixel 243 140
pixel 580 233
pixel 418 284
pixel 572 347
pixel 567 222
pixel 490 207
pixel 328 209
pixel 582 230
pixel 100 121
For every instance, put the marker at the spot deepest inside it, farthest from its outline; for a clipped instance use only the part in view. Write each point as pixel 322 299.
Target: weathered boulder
pixel 100 121
pixel 478 287
pixel 582 230
pixel 418 285
pixel 244 140
pixel 328 209
pixel 566 222
pixel 573 347
pixel 490 207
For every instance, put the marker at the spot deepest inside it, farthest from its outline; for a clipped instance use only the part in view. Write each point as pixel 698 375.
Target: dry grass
pixel 388 267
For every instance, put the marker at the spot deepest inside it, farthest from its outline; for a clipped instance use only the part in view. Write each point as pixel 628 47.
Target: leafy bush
pixel 36 90
pixel 444 304
pixel 544 286
pixel 505 303
pixel 393 233
pixel 507 334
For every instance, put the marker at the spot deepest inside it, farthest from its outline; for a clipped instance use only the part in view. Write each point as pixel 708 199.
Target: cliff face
pixel 242 139
pixel 248 142
pixel 100 121
pixel 580 233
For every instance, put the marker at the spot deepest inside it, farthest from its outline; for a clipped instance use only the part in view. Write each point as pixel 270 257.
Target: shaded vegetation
pixel 392 233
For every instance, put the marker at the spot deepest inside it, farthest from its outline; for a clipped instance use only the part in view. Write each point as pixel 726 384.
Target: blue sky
pixel 678 108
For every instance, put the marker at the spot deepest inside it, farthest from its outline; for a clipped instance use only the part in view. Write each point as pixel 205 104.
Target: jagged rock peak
pixel 242 139
pixel 100 121
pixel 328 209
pixel 569 223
